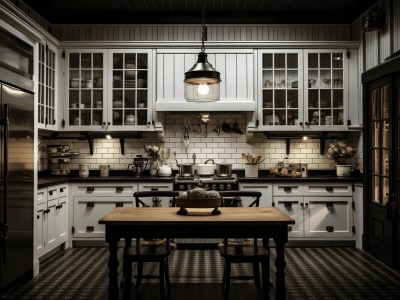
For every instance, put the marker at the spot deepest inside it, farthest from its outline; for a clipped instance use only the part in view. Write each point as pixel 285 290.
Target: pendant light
pixel 202 81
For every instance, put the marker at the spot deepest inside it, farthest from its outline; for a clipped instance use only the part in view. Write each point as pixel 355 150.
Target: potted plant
pixel 339 152
pixel 154 155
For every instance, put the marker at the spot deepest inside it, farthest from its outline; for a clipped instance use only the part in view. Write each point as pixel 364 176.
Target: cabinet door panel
pixel 265 189
pixel 329 217
pixel 293 207
pixel 40 229
pixel 61 219
pixel 88 211
pixel 50 217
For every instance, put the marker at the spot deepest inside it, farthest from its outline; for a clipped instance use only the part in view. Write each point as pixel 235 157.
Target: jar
pixel 104 170
pixel 130 119
pixel 88 83
pixel 83 170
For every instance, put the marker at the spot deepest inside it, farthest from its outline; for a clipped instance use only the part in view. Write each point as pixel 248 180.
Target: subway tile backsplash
pixel 205 143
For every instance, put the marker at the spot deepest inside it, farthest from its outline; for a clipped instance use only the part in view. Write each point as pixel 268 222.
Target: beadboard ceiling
pixel 189 11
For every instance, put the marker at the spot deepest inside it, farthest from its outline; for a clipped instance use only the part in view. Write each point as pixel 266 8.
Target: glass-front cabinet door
pixel 280 92
pixel 325 90
pixel 47 87
pixel 85 90
pixel 130 89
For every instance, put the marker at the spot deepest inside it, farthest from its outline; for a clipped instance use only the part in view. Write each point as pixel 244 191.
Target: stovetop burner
pixel 232 177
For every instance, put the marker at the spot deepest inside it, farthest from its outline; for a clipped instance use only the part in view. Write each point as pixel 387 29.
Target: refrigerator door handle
pixel 4 226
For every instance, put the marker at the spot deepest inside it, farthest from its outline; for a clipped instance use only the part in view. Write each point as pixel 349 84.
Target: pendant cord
pixel 203 27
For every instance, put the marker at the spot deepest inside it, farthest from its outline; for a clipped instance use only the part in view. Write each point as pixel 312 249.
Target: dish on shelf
pixel 130 66
pixel 117 104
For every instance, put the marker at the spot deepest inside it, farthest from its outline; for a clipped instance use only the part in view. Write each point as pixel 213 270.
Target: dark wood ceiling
pixel 189 11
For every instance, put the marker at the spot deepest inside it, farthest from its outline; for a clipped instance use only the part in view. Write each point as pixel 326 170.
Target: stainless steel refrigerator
pixel 16 184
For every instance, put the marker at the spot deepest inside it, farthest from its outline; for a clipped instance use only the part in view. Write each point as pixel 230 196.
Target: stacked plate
pixel 130 83
pixel 118 83
pixel 141 83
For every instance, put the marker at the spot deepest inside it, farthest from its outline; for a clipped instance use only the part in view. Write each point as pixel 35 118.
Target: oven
pixel 217 183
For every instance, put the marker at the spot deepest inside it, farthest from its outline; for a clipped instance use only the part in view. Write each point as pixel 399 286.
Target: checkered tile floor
pixel 312 273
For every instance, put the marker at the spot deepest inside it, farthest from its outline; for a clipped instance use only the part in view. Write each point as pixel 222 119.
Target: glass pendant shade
pixel 202 81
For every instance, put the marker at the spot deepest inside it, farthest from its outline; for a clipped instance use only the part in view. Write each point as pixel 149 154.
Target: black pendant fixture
pixel 202 81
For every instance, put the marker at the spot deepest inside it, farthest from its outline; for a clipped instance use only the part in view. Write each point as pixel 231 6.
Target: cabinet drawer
pixel 105 190
pixel 293 207
pixel 335 189
pixel 52 192
pixel 286 189
pixel 41 196
pixel 62 191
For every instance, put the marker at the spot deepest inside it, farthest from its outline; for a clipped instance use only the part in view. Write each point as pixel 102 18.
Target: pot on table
pixel 224 169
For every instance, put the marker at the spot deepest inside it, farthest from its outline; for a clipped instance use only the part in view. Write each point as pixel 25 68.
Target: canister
pixel 104 170
pixel 83 170
pixel 304 169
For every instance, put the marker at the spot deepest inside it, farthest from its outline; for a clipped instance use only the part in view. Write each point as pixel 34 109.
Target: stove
pixel 217 183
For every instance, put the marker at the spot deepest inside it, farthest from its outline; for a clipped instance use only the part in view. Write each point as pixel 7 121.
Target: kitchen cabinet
pixel 93 201
pixel 108 90
pixel 155 186
pixel 264 188
pixel 51 219
pixel 48 73
pixel 307 90
pixel 321 210
pixel 236 67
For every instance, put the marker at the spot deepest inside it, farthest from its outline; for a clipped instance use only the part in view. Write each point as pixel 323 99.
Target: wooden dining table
pixel 233 222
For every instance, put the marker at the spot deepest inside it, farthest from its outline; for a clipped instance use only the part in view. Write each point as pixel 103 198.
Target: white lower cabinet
pixel 51 219
pixel 93 201
pixel 264 188
pixel 320 210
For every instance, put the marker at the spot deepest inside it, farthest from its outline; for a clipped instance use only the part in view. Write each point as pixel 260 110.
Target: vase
pixel 153 167
pixel 343 170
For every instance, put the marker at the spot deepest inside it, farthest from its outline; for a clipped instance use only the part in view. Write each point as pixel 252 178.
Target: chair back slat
pixel 150 194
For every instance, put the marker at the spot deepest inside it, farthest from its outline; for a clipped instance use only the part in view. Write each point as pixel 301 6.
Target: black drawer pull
pixel 329 189
pixel 90 228
pixel 289 228
pixel 329 205
pixel 38 217
pixel 51 193
pixel 90 204
pixel 61 190
pixel 329 228
pixel 154 189
pixel 288 204
pixel 287 188
pixel 119 204
pixel 90 189
pixel 119 189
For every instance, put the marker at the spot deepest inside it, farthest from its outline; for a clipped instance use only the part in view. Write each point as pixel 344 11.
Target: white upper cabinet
pixel 307 90
pixel 108 90
pixel 237 75
pixel 47 79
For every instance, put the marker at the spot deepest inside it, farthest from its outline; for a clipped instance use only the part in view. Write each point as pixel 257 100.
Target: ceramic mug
pixel 328 120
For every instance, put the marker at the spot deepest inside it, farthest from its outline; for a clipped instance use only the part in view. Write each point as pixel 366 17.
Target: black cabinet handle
pixel 46 211
pixel 301 123
pixel 289 228
pixel 329 228
pixel 104 123
pixel 306 204
pixel 90 228
pixel 154 189
pixel 302 204
pixel 273 204
pixel 51 193
pixel 287 188
pixel 119 204
pixel 329 189
pixel 90 189
pixel 61 190
pixel 119 189
pixel 306 123
pixel 38 217
pixel 90 204
pixel 288 204
pixel 329 204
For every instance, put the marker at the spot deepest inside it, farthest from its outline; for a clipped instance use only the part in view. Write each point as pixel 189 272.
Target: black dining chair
pixel 243 250
pixel 149 250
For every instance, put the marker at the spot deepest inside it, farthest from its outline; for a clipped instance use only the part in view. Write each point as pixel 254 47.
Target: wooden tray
pixel 185 203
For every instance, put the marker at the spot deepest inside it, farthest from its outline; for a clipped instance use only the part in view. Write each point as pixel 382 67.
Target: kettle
pixel 139 164
pixel 165 169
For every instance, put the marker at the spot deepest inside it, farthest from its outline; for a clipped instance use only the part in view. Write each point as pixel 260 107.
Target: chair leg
pixel 167 275
pixel 161 276
pixel 256 275
pixel 265 276
pixel 227 278
pixel 223 280
pixel 128 271
pixel 139 274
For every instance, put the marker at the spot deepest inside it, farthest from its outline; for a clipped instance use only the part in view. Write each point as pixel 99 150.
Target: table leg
pixel 113 292
pixel 280 265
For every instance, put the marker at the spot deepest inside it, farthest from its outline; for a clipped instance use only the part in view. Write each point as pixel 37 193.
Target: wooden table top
pixel 168 215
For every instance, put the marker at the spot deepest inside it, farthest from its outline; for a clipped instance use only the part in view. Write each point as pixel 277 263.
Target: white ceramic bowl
pixel 117 104
pixel 129 74
pixel 74 82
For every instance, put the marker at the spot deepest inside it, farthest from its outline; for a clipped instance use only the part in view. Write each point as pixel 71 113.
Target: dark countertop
pixel 46 180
